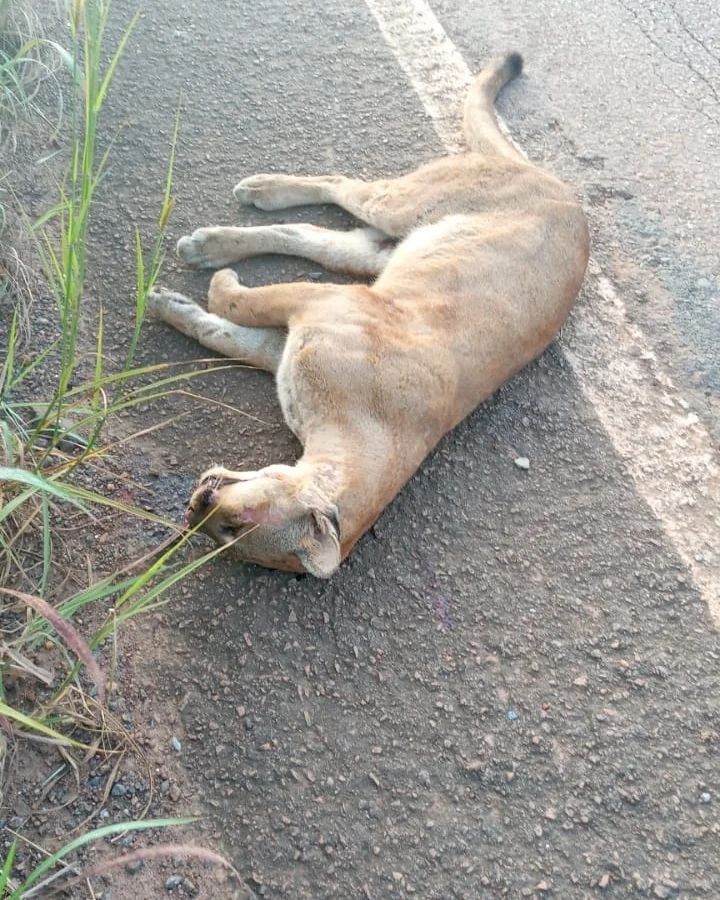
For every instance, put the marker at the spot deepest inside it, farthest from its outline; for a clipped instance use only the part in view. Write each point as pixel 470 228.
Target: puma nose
pixel 200 504
pixel 209 496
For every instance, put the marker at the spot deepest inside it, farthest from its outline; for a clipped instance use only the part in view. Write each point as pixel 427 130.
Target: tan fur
pixel 479 259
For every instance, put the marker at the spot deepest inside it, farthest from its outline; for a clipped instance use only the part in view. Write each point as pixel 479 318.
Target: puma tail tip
pixel 513 65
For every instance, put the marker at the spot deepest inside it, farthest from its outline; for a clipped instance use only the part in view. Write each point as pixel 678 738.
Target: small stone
pixel 118 790
pixel 522 462
pixel 512 715
pixel 424 778
pixel 551 813
pixel 134 866
pixel 604 880
pixel 581 681
pixel 662 891
pixel 175 744
pixel 542 886
pixel 705 797
pixel 174 793
pixel 189 887
pixel 173 882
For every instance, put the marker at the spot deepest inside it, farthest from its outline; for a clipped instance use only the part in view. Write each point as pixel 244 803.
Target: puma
pixel 476 261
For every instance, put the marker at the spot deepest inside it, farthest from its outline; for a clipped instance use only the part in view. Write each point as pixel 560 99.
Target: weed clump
pixel 54 433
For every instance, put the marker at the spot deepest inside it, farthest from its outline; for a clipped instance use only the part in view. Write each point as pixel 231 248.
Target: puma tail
pixel 482 131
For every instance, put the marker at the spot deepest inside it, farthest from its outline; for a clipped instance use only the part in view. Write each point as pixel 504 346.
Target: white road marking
pixel 663 444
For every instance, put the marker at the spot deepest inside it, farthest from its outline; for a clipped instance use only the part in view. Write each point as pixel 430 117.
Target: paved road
pixel 633 89
pixel 511 689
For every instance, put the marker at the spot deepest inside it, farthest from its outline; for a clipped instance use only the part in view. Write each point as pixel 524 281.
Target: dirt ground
pixel 511 687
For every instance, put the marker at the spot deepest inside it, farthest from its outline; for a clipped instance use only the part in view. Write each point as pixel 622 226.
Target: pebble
pixel 175 744
pixel 705 797
pixel 512 715
pixel 522 462
pixel 174 793
pixel 581 681
pixel 118 790
pixel 133 867
pixel 173 882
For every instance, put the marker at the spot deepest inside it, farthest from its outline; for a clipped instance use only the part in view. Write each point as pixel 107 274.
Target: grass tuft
pixel 33 887
pixel 49 437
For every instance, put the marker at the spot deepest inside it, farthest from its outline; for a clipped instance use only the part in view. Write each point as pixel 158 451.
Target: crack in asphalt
pixel 690 33
pixel 685 62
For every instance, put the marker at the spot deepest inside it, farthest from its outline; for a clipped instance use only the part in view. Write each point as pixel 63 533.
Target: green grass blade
pixel 110 71
pixel 145 602
pixel 36 361
pixel 47 545
pixel 64 55
pixel 167 197
pixel 34 725
pixel 39 628
pixel 39 483
pixel 78 496
pixel 9 508
pixel 140 299
pixel 7 868
pixel 8 368
pixel 89 837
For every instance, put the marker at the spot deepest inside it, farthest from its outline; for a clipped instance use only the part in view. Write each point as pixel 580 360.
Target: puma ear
pixel 319 548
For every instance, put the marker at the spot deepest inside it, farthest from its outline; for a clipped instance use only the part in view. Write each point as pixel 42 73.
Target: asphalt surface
pixel 511 688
